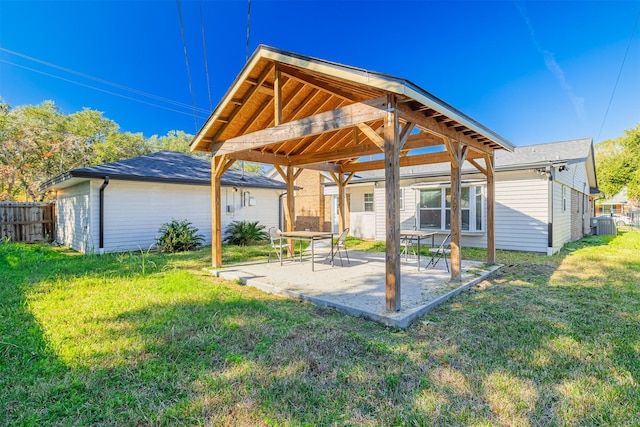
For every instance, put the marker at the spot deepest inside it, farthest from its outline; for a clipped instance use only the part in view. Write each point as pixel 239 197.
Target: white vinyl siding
pixel 73 216
pixel 134 212
pixel 361 223
pixel 561 219
pixel 521 212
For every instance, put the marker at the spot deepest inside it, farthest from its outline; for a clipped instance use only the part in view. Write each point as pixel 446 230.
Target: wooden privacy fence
pixel 27 222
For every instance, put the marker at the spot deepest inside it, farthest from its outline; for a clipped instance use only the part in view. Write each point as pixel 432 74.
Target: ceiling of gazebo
pixel 331 117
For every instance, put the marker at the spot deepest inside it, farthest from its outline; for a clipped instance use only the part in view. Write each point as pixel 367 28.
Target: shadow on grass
pixel 542 344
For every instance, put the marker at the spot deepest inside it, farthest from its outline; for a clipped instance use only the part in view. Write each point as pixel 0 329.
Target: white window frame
pixel 473 208
pixel 401 198
pixel 366 202
pixel 564 198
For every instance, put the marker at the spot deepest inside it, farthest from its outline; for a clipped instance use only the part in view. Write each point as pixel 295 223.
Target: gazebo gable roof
pixel 331 115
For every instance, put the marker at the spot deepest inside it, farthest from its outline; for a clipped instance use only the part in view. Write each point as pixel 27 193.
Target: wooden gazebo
pixel 296 112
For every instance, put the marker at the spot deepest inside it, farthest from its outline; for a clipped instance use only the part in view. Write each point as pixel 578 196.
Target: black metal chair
pixel 440 252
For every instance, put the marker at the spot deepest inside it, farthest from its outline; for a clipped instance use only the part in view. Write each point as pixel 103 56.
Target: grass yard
pixel 150 339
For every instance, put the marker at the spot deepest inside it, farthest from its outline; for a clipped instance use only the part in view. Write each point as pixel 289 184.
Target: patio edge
pixel 394 319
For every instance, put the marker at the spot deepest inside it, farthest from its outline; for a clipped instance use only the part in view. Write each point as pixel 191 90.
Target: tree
pixel 618 164
pixel 119 146
pixel 39 142
pixel 248 167
pixel 175 140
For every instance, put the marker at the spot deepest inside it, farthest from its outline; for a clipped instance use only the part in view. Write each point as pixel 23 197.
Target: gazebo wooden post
pixel 392 186
pixel 342 182
pixel 341 203
pixel 457 153
pixel 291 207
pixel 491 207
pixel 219 165
pixel 289 177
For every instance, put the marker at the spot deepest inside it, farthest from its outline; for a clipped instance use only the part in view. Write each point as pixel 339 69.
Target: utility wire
pixel 248 29
pixel 206 63
pixel 186 58
pixel 95 88
pixel 99 80
pixel 615 86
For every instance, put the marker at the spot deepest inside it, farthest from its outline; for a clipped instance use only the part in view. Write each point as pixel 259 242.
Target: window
pixel 368 202
pixel 435 208
pixel 564 198
pixel 401 199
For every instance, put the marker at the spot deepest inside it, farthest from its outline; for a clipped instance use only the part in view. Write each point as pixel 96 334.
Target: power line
pixel 186 58
pixel 615 86
pixel 206 63
pixel 248 29
pixel 100 80
pixel 95 88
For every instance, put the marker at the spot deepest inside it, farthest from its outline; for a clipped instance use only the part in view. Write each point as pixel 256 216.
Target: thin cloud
pixel 553 66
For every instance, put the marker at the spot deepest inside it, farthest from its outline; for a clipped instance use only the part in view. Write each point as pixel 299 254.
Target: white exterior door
pixel 335 215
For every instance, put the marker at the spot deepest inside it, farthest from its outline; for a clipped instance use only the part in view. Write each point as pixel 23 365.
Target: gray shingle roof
pixel 167 166
pixel 528 157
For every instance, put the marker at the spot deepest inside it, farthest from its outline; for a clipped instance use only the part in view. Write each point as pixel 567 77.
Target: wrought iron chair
pixel 440 252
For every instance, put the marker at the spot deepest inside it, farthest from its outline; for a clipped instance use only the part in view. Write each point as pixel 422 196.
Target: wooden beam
pixel 217 169
pixel 406 131
pixel 361 150
pixel 371 134
pixel 340 118
pixel 260 157
pixel 491 209
pixel 392 183
pixel 277 97
pixel 419 159
pixel 477 165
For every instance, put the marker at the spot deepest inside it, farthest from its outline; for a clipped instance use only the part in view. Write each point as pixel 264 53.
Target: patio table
pixel 310 236
pixel 418 234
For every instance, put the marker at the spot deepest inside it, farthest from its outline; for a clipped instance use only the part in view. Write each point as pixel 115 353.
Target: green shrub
pixel 244 233
pixel 179 236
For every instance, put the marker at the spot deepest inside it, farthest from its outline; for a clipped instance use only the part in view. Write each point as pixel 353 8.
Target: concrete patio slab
pixel 357 288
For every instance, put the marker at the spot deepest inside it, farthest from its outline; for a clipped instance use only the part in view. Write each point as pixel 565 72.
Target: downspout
pixel 549 173
pixel 102 187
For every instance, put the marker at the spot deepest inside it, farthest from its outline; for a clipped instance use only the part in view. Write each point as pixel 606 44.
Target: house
pixel 544 198
pixel 615 205
pixel 120 206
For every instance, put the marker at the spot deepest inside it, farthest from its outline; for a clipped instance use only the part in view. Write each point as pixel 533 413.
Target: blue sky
pixel 532 71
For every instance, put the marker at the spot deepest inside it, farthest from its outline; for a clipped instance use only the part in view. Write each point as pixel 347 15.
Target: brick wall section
pixel 313 209
pixel 310 204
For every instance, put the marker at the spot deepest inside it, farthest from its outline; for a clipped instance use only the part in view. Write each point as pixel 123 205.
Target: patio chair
pixel 277 242
pixel 408 245
pixel 339 244
pixel 440 252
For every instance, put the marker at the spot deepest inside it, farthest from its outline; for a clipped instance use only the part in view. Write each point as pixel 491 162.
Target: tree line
pixel 618 164
pixel 40 142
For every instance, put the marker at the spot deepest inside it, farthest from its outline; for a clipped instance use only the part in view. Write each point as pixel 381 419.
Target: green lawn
pixel 150 339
